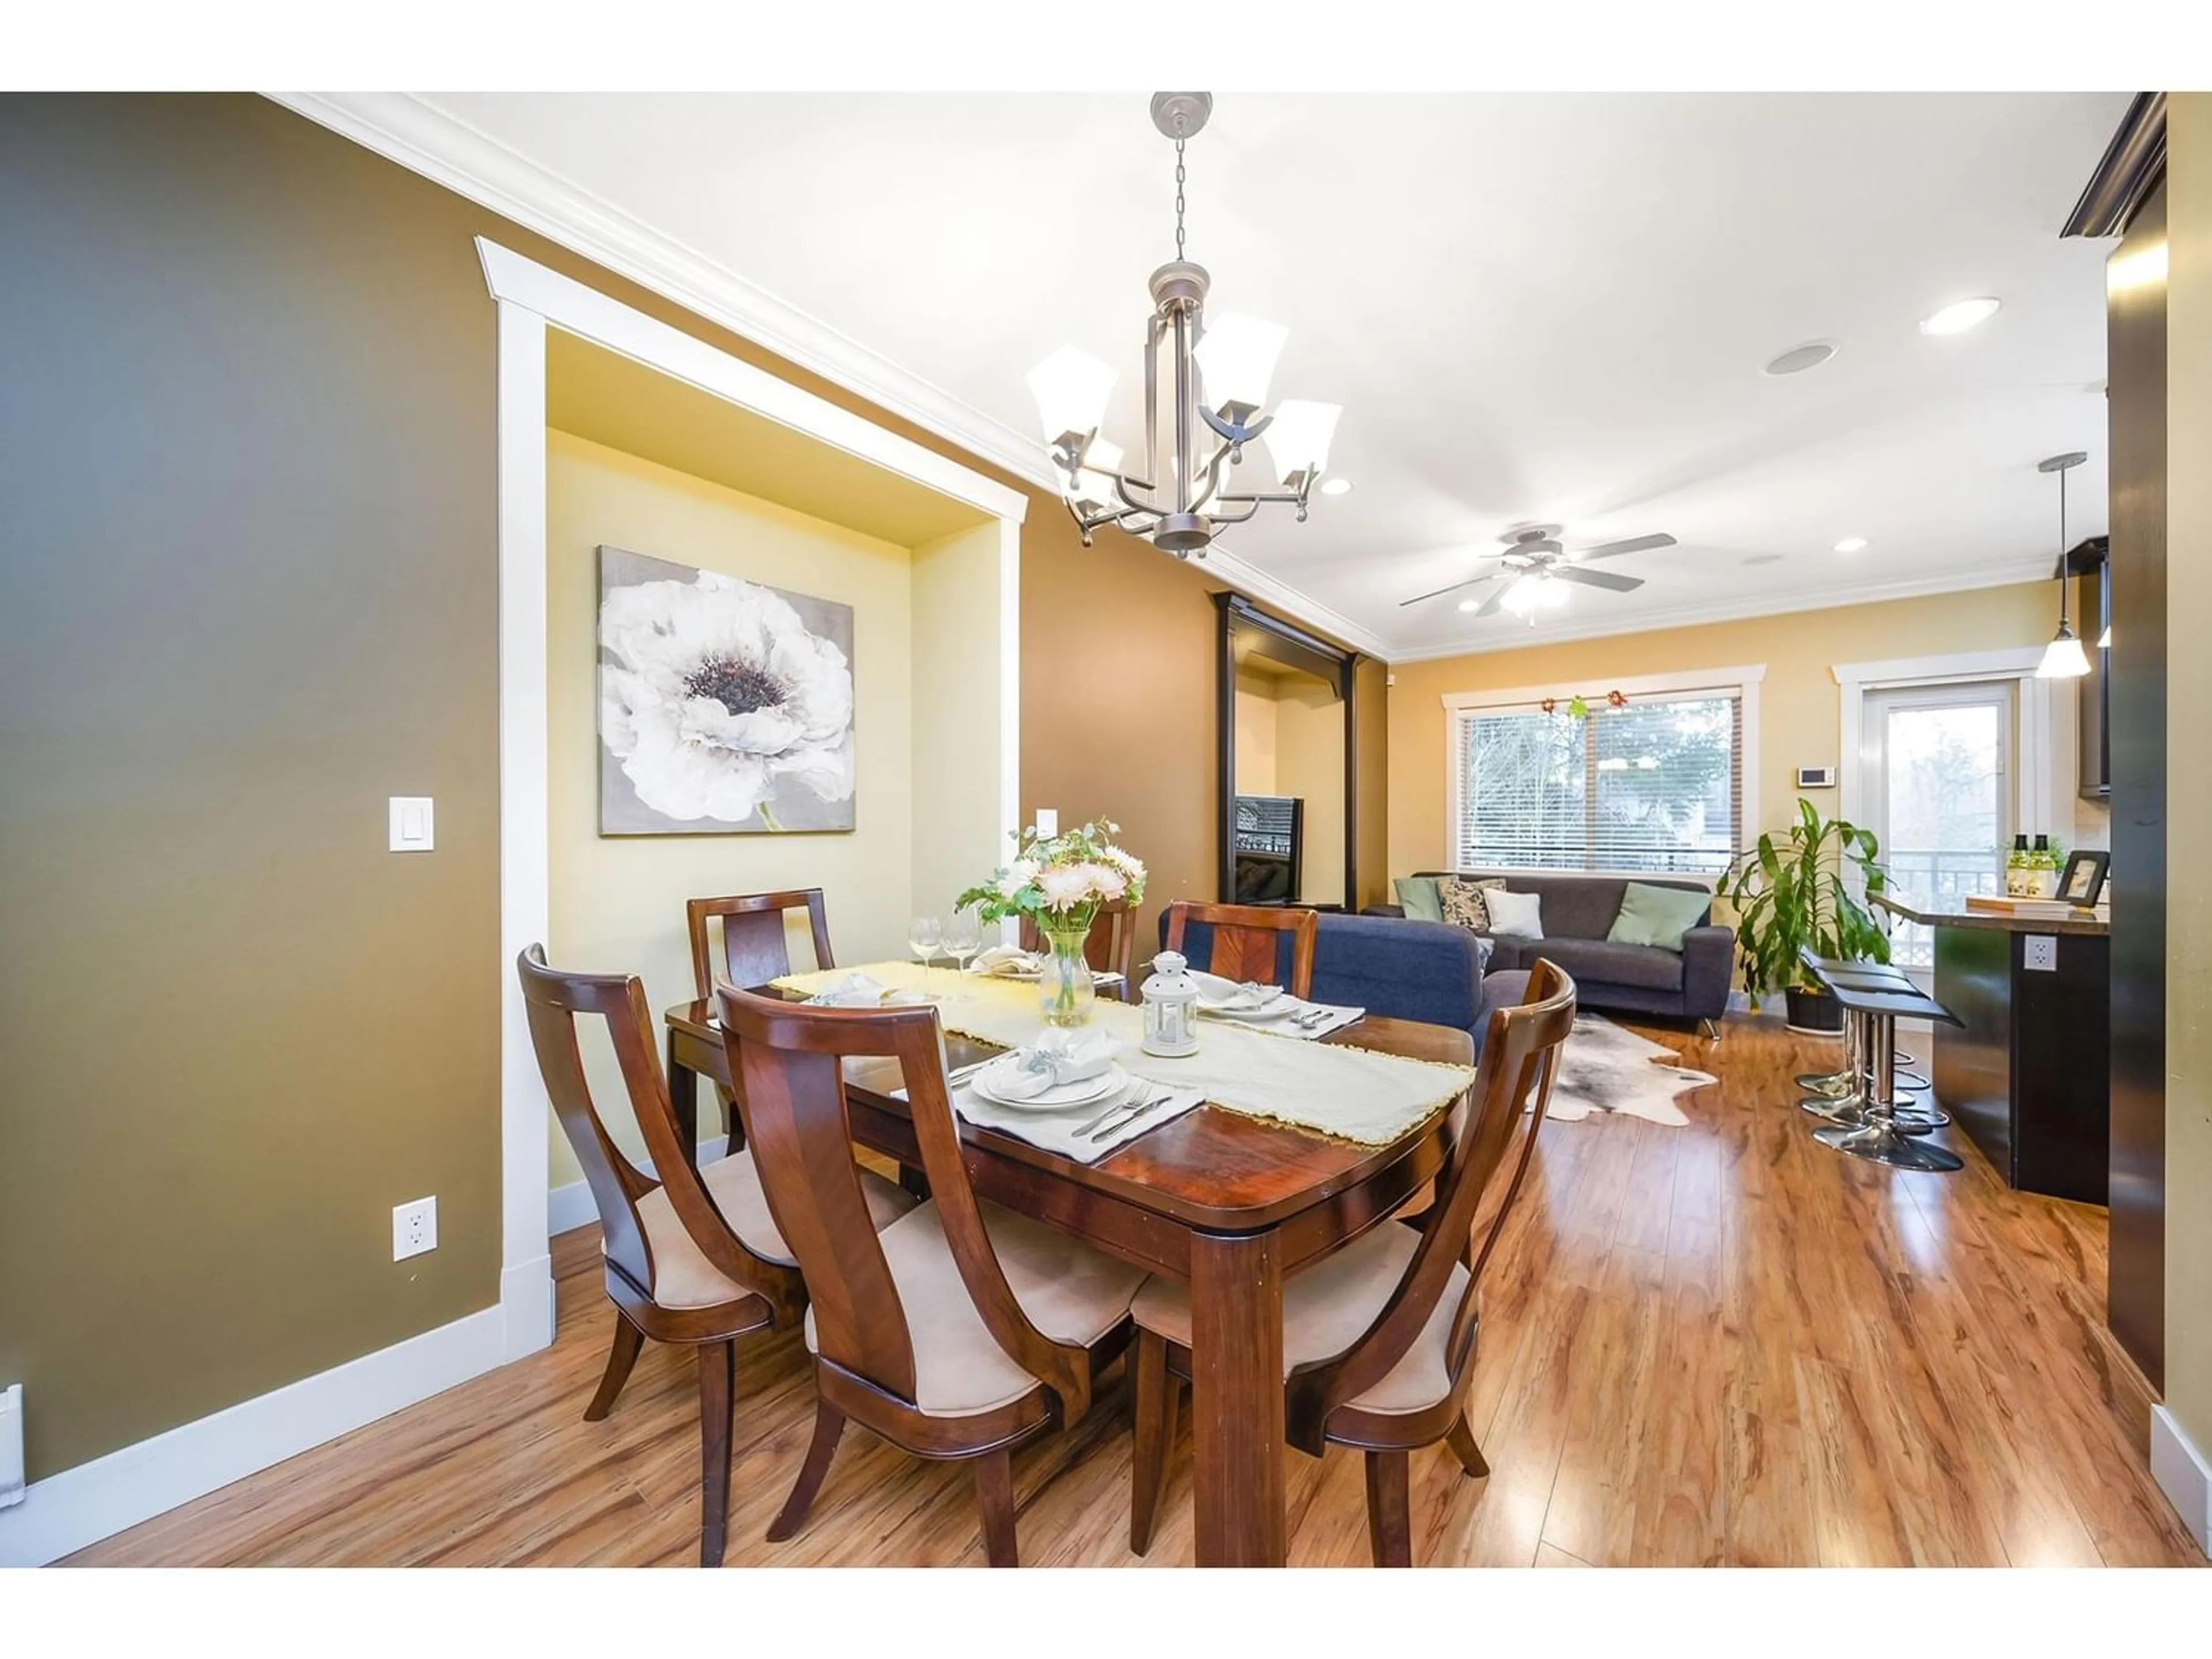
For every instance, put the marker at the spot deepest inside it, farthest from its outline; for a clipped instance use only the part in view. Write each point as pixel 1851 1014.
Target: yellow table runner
pixel 1355 1094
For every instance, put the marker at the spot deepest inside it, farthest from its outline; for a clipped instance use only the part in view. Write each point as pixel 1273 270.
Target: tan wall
pixel 1800 705
pixel 1256 735
pixel 618 901
pixel 1371 688
pixel 1310 764
pixel 953 723
pixel 250 470
pixel 2189 787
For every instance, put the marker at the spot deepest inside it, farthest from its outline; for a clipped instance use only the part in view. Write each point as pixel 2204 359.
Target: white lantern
pixel 1170 1008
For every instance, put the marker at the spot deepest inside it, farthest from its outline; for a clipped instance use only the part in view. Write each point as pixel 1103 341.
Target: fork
pixel 1150 1101
pixel 1151 1105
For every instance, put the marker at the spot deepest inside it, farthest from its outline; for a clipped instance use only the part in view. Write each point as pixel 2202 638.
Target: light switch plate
pixel 414 1228
pixel 2040 952
pixel 1047 821
pixel 412 824
pixel 11 1445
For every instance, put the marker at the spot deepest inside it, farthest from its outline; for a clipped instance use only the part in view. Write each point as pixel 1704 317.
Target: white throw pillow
pixel 1515 915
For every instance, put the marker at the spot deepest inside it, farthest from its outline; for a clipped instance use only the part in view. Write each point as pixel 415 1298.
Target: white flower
pixel 1107 882
pixel 1127 864
pixel 717 692
pixel 1065 887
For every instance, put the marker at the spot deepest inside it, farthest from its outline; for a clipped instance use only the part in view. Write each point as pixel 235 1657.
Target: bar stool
pixel 1882 1127
pixel 1870 975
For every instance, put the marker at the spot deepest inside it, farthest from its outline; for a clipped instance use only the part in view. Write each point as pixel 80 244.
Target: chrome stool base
pixel 1846 1109
pixel 1833 1085
pixel 1888 1143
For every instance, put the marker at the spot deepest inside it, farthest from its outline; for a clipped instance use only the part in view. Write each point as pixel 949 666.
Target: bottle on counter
pixel 2043 869
pixel 2015 884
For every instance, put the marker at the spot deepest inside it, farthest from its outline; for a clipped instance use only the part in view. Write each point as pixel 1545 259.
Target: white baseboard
pixel 570 1206
pixel 2183 1472
pixel 80 1506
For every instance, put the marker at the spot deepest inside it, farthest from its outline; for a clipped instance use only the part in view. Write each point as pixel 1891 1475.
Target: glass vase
pixel 1066 994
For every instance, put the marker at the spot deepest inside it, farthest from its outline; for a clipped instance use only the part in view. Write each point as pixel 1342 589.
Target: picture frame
pixel 2082 881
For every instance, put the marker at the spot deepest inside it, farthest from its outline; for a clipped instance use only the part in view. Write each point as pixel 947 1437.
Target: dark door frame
pixel 1286 642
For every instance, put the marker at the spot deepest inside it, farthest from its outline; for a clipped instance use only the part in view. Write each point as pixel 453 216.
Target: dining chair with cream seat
pixel 1246 941
pixel 959 1331
pixel 756 948
pixel 692 1256
pixel 1379 1338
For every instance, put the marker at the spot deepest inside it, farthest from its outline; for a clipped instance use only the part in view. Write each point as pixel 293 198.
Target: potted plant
pixel 1793 893
pixel 1059 883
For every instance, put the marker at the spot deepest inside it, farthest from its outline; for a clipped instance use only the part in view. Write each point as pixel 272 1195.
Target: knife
pixel 1144 1111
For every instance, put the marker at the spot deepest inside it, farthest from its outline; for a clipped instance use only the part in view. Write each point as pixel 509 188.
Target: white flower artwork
pixel 725 706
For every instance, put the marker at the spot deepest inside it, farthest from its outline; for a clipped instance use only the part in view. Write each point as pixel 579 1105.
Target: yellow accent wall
pixel 1255 734
pixel 2189 787
pixel 1800 705
pixel 1310 764
pixel 618 901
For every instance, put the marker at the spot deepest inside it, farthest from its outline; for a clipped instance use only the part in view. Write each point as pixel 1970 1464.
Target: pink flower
pixel 1064 888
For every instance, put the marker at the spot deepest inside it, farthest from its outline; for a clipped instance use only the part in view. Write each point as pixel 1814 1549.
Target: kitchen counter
pixel 1997 922
pixel 2024 1073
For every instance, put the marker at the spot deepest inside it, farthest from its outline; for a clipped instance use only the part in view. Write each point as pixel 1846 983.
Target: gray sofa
pixel 1577 912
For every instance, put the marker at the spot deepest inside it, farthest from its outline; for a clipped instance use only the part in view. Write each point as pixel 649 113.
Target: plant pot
pixel 1813 1013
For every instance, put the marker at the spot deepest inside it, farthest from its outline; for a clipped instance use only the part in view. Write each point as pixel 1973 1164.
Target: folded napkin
pixel 1005 959
pixel 1056 1058
pixel 1070 1133
pixel 1215 991
pixel 853 991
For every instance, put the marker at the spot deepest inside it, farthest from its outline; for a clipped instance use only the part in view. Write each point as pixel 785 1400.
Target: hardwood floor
pixel 1720 1344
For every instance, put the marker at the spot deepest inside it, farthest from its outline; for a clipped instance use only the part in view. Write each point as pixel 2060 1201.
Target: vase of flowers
pixel 1060 883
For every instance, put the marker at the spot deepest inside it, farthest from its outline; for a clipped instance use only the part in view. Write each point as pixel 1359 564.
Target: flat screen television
pixel 1268 841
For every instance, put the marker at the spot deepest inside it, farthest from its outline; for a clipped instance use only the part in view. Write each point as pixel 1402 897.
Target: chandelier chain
pixel 1179 182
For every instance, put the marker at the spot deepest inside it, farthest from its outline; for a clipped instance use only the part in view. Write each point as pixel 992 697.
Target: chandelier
pixel 1205 381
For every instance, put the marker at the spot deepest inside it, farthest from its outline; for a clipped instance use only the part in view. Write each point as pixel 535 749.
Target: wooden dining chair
pixel 1248 940
pixel 691 1257
pixel 959 1331
pixel 1109 947
pixel 1379 1338
pixel 755 949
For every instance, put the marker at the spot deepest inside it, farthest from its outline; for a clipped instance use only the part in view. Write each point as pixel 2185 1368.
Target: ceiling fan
pixel 1535 571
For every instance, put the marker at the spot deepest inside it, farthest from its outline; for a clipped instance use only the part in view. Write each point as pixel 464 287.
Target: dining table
pixel 1230 1203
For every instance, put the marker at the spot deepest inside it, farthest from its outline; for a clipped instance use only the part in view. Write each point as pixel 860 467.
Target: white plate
pixel 1276 1009
pixel 1066 1097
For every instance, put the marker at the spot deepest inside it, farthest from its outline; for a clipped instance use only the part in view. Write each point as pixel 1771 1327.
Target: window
pixel 1655 786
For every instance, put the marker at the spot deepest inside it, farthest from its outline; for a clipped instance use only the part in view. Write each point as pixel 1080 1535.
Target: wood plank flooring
pixel 1719 1344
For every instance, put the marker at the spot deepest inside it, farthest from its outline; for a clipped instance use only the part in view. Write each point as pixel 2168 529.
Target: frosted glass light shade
pixel 1298 438
pixel 1071 388
pixel 1530 594
pixel 1092 485
pixel 2063 658
pixel 1236 359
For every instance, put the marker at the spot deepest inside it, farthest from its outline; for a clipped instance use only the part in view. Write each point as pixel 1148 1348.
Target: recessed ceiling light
pixel 1852 545
pixel 1798 359
pixel 1958 319
pixel 1470 605
pixel 1336 486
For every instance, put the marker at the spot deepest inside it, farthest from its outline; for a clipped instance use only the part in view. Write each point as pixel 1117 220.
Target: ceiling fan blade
pixel 1490 606
pixel 1604 579
pixel 1633 545
pixel 1472 581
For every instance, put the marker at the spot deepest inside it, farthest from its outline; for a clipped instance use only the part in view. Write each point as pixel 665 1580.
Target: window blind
pixel 1655 787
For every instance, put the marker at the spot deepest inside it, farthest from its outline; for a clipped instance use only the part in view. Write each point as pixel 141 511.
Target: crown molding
pixel 1690 615
pixel 403 127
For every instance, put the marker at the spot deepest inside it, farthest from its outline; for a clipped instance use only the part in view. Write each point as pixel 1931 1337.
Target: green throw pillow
pixel 1657 915
pixel 1416 896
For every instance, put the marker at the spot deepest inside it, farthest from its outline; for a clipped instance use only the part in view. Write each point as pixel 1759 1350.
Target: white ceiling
pixel 1545 307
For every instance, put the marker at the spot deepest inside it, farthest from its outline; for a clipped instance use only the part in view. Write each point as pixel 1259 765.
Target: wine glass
pixel 963 938
pixel 924 935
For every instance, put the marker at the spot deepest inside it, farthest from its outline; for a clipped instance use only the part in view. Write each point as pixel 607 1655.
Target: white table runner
pixel 1335 1088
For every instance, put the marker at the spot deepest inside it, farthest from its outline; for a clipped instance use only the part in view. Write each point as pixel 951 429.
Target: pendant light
pixel 2063 658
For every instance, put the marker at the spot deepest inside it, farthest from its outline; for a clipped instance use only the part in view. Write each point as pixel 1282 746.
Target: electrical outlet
pixel 414 1228
pixel 2040 952
pixel 11 1445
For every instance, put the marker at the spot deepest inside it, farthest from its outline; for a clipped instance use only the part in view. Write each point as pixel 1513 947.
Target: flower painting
pixel 725 706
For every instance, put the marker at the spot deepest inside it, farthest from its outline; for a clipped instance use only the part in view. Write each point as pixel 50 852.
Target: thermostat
pixel 1816 777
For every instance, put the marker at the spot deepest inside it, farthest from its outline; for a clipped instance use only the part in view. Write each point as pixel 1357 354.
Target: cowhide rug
pixel 1606 1068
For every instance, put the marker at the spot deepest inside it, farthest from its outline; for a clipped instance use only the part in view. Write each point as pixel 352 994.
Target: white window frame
pixel 1741 683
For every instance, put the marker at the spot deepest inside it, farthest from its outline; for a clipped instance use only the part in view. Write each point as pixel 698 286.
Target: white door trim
pixel 2043 761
